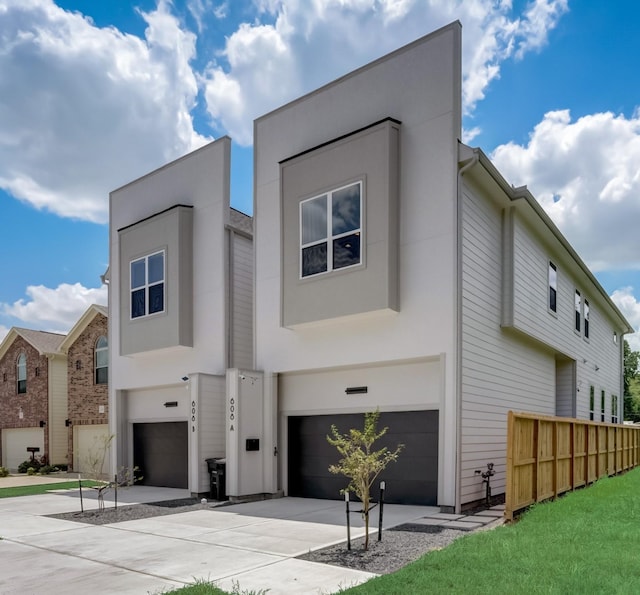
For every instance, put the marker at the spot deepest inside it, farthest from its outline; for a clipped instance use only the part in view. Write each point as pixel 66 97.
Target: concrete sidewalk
pixel 253 545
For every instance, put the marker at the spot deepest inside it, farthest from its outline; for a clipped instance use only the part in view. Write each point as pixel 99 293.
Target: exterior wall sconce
pixel 67 423
pixel 43 423
pixel 357 390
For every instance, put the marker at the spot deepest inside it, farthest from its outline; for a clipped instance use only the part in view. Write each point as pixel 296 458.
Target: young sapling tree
pixel 360 463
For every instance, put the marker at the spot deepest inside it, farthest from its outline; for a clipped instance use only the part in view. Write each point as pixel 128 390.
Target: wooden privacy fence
pixel 547 456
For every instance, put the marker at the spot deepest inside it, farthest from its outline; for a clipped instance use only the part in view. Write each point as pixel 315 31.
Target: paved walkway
pixel 253 545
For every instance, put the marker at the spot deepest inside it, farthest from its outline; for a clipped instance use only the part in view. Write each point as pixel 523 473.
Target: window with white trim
pixel 553 287
pixel 101 360
pixel 578 305
pixel 592 403
pixel 147 285
pixel 586 319
pixel 331 231
pixel 21 373
pixel 614 409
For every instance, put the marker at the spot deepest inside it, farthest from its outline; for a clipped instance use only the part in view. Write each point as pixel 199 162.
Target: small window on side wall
pixel 614 409
pixel 102 360
pixel 592 403
pixel 586 319
pixel 21 373
pixel 602 406
pixel 553 287
pixel 147 285
pixel 578 307
pixel 330 231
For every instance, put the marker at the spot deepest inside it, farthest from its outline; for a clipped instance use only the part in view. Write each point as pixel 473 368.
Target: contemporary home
pixel 180 314
pixel 393 268
pixel 86 348
pixel 33 397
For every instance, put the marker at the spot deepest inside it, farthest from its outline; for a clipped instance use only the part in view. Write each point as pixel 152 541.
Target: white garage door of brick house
pixel 15 442
pixel 89 447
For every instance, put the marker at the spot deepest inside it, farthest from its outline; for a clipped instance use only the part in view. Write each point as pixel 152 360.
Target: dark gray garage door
pixel 413 479
pixel 160 450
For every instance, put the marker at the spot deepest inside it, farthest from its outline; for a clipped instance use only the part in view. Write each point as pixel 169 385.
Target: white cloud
pixel 585 174
pixel 305 44
pixel 56 309
pixel 84 110
pixel 4 330
pixel 630 308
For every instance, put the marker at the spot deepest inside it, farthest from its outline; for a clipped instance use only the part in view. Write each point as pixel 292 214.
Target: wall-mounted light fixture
pixel 171 404
pixel 43 423
pixel 357 390
pixel 67 422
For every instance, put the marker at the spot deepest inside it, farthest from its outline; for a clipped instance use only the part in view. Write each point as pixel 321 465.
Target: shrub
pixel 34 464
pixel 46 469
pixel 4 472
pixel 31 471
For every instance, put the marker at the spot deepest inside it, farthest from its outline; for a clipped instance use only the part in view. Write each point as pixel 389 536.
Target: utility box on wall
pixel 251 435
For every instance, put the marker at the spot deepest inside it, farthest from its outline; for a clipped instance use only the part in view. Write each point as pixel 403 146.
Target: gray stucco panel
pixel 371 156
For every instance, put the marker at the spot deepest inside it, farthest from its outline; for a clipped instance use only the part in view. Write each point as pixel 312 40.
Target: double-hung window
pixel 553 287
pixel 614 409
pixel 147 285
pixel 586 319
pixel 578 304
pixel 592 403
pixel 331 231
pixel 21 373
pixel 101 360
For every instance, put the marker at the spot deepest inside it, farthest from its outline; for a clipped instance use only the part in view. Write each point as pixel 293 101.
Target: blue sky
pixel 96 94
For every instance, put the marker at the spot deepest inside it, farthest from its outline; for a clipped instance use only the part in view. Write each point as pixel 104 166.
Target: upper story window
pixel 586 319
pixel 102 360
pixel 21 373
pixel 147 285
pixel 553 287
pixel 330 231
pixel 578 304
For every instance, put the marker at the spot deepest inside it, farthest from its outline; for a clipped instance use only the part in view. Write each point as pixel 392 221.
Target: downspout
pixel 458 392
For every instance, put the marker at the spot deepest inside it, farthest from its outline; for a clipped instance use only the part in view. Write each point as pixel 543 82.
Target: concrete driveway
pixel 253 545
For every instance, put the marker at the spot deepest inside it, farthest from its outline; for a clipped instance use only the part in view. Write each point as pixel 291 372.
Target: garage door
pixel 413 479
pixel 15 442
pixel 161 452
pixel 89 453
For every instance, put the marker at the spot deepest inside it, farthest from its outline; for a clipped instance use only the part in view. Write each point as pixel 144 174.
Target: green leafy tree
pixel 631 384
pixel 360 463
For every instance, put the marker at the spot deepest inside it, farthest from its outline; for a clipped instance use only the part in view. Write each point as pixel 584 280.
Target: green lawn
pixel 43 488
pixel 585 542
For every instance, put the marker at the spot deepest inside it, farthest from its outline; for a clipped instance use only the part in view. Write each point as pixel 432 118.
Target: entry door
pixel 161 452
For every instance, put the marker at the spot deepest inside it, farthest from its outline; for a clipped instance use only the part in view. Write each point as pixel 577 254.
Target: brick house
pixel 86 348
pixel 33 397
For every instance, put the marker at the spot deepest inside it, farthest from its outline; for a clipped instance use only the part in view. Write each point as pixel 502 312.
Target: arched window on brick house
pixel 21 373
pixel 102 360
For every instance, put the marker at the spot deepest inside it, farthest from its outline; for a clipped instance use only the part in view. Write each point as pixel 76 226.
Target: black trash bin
pixel 217 469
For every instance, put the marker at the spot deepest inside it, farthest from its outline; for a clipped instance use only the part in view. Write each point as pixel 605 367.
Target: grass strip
pixel 43 488
pixel 585 542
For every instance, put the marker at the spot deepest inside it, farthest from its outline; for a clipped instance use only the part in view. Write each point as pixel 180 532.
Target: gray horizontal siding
pixel 242 303
pixel 501 370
